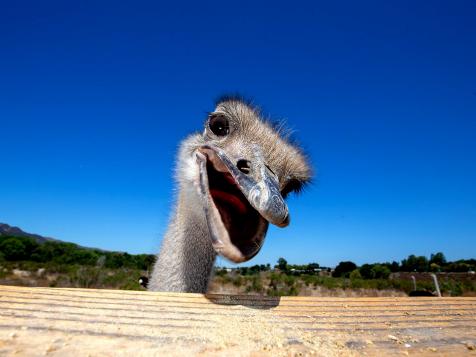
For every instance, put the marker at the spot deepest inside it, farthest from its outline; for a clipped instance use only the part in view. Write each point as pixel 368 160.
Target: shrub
pixel 379 271
pixel 256 284
pixel 220 272
pixel 356 283
pixel 238 281
pixel 435 267
pixel 355 274
pixel 86 277
pixel 289 280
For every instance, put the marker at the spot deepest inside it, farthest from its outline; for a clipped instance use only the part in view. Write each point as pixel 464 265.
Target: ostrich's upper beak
pixel 238 205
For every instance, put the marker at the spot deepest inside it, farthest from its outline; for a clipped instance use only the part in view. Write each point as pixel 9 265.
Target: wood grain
pixel 48 321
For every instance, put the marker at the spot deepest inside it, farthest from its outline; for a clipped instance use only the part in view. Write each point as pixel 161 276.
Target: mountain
pixel 7 230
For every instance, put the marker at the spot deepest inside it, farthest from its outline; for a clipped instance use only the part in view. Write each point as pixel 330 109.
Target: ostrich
pixel 232 181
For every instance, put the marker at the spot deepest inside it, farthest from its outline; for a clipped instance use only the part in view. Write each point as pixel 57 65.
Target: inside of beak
pixel 259 185
pixel 236 229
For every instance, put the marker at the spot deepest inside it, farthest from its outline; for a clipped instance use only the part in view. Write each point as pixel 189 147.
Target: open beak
pixel 238 206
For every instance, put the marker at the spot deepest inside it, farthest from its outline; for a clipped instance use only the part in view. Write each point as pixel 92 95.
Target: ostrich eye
pixel 219 125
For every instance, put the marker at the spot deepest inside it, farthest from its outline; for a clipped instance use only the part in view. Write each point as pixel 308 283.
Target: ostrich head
pixel 242 169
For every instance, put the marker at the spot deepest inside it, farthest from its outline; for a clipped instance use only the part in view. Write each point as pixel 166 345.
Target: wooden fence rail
pixel 48 321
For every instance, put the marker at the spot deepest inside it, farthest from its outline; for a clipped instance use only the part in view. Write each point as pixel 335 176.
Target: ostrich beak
pixel 238 206
pixel 260 187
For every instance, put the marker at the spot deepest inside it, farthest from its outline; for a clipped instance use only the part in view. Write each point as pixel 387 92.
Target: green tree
pixel 13 249
pixel 17 248
pixel 366 271
pixel 282 264
pixel 255 269
pixel 117 260
pixel 415 263
pixel 244 270
pixel 343 269
pixel 58 252
pixel 144 261
pixel 422 264
pixel 44 253
pixel 394 267
pixel 438 258
pixel 380 271
pixel 311 268
pixel 459 266
pixel 81 257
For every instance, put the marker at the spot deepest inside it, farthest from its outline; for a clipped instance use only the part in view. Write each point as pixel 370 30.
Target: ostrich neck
pixel 186 259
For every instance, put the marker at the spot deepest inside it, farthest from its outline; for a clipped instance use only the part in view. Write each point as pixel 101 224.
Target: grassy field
pixel 270 283
pixel 275 283
pixel 29 262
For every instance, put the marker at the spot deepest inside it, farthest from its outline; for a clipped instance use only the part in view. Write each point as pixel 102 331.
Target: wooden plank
pixel 48 321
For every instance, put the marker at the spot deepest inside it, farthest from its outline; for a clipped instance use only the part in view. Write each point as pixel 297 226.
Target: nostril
pixel 244 166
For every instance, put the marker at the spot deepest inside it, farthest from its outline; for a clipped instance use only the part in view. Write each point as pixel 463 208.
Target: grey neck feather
pixel 186 259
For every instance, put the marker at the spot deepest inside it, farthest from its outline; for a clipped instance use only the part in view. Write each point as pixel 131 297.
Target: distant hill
pixel 7 230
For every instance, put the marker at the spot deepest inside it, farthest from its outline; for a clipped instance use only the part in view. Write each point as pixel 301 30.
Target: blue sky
pixel 96 96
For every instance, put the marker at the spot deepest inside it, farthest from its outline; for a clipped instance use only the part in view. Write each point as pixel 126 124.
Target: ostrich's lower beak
pixel 238 206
